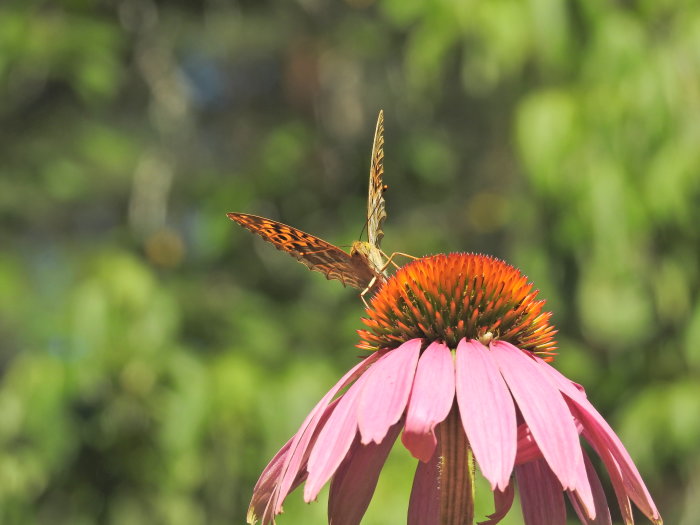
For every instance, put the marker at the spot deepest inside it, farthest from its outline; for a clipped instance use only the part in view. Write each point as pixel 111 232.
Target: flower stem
pixel 455 473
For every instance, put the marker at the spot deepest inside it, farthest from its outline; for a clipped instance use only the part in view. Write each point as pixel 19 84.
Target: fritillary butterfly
pixel 364 265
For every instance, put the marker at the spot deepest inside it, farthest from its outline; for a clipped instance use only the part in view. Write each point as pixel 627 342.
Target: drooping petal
pixel 424 506
pixel 333 441
pixel 502 502
pixel 599 433
pixel 301 440
pixel 386 391
pixel 266 484
pixel 355 480
pixel 261 507
pixel 487 411
pixel 527 449
pixel 614 472
pixel 541 494
pixel 584 491
pixel 431 398
pixel 600 502
pixel 543 409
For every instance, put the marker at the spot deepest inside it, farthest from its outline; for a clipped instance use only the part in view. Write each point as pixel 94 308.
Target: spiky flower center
pixel 448 297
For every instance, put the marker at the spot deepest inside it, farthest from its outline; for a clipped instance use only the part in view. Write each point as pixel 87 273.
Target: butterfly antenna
pixel 385 187
pixel 364 227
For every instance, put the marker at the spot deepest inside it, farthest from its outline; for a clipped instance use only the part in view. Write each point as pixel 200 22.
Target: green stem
pixel 455 473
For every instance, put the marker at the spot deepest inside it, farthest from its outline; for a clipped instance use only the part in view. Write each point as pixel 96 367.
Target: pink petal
pixel 261 503
pixel 527 448
pixel 614 472
pixel 334 440
pixel 502 502
pixel 432 396
pixel 601 515
pixel 487 412
pixel 540 494
pixel 584 491
pixel 599 433
pixel 386 392
pixel 265 486
pixel 543 409
pixel 301 440
pixel 424 506
pixel 355 480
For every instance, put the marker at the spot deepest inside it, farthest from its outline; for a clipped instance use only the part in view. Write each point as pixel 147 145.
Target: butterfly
pixel 364 266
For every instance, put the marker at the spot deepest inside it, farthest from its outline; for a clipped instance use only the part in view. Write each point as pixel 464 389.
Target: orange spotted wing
pixel 315 253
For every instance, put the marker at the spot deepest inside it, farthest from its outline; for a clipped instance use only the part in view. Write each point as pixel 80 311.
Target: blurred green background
pixel 154 355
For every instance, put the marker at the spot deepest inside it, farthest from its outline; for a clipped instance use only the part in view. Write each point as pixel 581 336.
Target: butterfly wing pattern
pixel 376 212
pixel 315 253
pixel 370 251
pixel 363 266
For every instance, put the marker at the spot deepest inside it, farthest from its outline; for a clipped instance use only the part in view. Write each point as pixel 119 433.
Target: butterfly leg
pixel 390 259
pixel 363 292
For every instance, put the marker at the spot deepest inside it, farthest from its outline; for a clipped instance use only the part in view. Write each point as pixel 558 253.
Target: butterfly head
pixel 369 253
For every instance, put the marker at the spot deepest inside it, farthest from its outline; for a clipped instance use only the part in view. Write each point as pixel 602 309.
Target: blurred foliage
pixel 154 356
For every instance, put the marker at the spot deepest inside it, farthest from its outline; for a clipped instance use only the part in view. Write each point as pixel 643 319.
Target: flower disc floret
pixel 460 295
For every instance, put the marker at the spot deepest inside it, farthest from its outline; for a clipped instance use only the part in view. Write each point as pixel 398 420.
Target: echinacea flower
pixel 460 349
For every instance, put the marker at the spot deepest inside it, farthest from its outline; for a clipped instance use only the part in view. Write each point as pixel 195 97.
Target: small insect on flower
pixel 459 368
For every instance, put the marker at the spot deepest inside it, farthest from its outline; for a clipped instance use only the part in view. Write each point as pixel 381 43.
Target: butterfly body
pixel 363 267
pixel 370 255
pixel 368 262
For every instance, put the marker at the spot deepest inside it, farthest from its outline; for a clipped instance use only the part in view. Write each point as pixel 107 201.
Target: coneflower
pixel 459 363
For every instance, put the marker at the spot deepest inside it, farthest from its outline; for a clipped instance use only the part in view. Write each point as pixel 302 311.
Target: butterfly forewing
pixel 360 268
pixel 315 253
pixel 376 213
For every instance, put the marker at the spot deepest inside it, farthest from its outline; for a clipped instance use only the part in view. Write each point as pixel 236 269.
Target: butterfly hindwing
pixel 315 253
